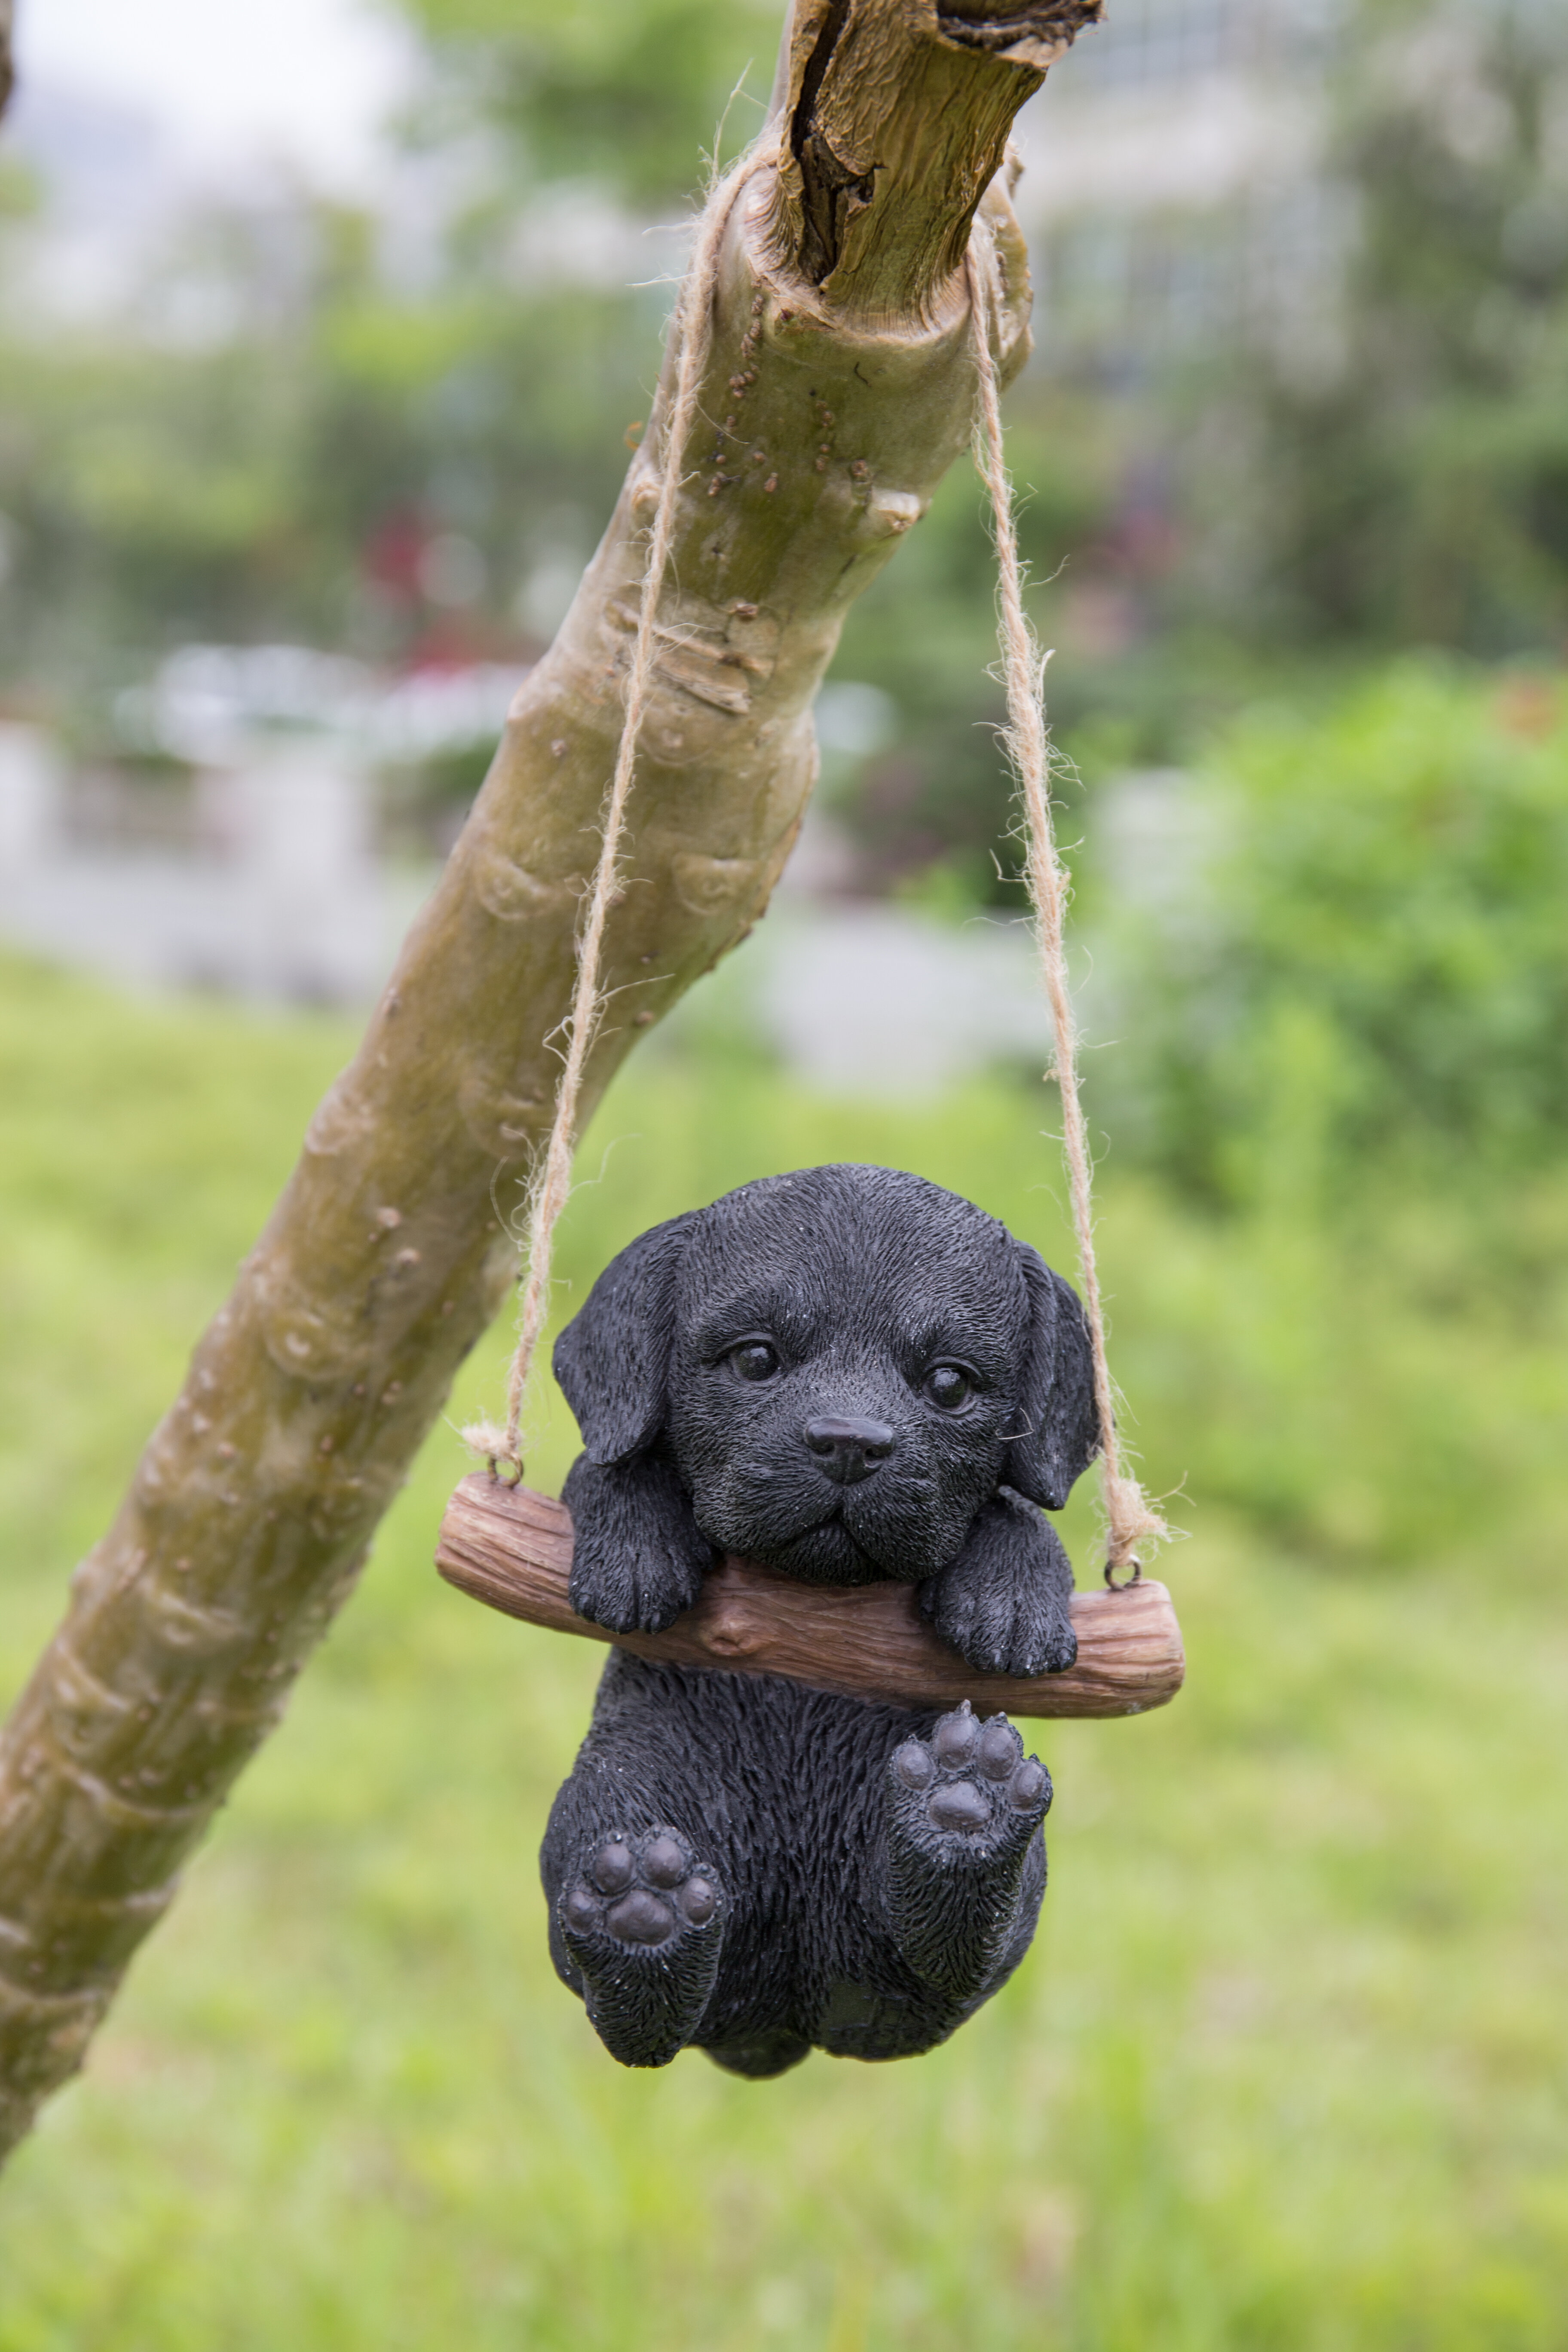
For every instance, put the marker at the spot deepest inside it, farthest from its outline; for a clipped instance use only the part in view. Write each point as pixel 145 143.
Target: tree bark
pixel 8 67
pixel 512 1549
pixel 835 399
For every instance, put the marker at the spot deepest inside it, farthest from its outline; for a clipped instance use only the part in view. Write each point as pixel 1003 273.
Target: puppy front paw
pixel 638 1557
pixel 1005 1603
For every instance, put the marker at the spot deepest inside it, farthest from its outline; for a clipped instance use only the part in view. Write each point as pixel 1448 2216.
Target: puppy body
pixel 849 1375
pixel 782 1798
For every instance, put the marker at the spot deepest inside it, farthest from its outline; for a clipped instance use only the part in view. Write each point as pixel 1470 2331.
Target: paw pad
pixel 641 1890
pixel 970 1772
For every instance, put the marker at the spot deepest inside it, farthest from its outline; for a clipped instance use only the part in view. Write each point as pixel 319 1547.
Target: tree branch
pixel 512 1549
pixel 898 121
pixel 833 405
pixel 7 64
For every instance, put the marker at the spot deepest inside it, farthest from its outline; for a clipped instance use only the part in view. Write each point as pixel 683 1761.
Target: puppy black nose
pixel 849 1450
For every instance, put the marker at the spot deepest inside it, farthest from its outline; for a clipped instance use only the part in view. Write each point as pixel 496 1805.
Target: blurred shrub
pixel 1336 971
pixel 1371 974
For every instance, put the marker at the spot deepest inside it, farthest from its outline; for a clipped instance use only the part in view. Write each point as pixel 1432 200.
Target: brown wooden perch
pixel 512 1548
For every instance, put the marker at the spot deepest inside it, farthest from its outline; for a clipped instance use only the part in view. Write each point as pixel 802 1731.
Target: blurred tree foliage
pixel 627 95
pixel 269 456
pixel 304 399
pixel 1405 479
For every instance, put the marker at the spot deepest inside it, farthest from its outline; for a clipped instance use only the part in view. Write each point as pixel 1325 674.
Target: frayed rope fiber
pixel 691 330
pixel 1130 1520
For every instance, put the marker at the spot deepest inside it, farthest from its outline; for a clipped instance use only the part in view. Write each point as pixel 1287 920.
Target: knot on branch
pixel 831 194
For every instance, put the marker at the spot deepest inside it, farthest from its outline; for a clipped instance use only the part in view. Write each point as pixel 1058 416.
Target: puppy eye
pixel 755 1360
pixel 947 1385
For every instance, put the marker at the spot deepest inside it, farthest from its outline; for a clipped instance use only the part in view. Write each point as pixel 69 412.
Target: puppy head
pixel 847 1363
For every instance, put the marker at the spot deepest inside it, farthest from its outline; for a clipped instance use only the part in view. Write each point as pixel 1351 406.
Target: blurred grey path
pixel 861 997
pixel 272 889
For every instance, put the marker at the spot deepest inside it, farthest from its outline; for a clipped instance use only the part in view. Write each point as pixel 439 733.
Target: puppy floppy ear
pixel 613 1359
pixel 1058 1425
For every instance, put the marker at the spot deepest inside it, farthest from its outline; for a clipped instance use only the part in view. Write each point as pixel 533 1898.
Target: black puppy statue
pixel 848 1375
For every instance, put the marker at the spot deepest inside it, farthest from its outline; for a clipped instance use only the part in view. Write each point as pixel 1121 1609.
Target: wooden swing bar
pixel 511 1549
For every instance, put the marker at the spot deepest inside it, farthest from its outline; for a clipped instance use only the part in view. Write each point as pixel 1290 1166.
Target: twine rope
pixel 1130 1520
pixel 691 335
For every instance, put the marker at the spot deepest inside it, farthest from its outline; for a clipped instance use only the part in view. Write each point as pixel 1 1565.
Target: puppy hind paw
pixel 643 1921
pixel 968 1791
pixel 640 1891
pixel 965 1807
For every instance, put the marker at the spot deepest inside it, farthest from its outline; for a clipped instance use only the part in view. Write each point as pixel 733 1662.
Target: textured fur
pixel 848 1375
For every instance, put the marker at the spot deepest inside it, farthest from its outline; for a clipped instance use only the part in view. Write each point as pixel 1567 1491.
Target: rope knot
pixel 496 1448
pixel 1131 1520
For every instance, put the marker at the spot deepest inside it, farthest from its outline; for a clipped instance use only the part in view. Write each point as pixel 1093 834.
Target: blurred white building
pixel 869 999
pixel 273 893
pixel 254 865
pixel 1174 180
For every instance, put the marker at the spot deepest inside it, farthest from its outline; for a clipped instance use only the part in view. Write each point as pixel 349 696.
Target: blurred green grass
pixel 1287 2065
